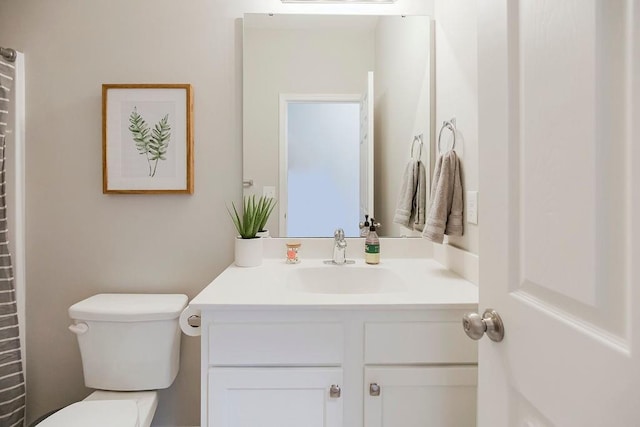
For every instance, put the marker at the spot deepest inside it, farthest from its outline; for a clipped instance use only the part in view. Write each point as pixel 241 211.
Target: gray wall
pixel 81 242
pixel 457 95
pixel 402 93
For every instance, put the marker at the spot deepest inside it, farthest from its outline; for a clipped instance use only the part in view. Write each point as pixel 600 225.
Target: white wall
pixel 81 242
pixel 457 94
pixel 403 49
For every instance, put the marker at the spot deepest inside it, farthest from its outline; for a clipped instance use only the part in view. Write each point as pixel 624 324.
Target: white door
pixel 275 397
pixel 366 148
pixel 418 396
pixel 319 148
pixel 559 128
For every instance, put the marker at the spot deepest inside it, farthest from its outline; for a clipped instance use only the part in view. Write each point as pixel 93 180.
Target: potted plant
pixel 269 204
pixel 248 248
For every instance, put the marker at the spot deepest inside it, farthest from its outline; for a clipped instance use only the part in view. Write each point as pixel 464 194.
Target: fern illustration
pixel 140 132
pixel 159 142
pixel 151 143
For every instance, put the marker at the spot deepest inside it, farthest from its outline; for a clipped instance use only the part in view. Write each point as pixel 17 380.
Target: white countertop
pixel 427 284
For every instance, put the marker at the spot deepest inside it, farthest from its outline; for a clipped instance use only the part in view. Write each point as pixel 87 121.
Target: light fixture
pixel 338 1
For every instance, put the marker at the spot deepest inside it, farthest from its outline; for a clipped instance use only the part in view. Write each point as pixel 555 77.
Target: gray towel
pixel 445 216
pixel 404 206
pixel 419 210
pixel 412 201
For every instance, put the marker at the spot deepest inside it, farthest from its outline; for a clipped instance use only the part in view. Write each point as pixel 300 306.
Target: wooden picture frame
pixel 147 138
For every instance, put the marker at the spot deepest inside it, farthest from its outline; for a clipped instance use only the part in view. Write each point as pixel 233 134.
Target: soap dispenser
pixel 364 227
pixel 372 245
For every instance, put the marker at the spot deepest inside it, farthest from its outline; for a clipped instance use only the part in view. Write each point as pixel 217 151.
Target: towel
pixel 419 207
pixel 412 201
pixel 404 206
pixel 445 216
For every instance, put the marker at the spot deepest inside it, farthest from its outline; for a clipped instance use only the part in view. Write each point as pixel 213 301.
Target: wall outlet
pixel 269 191
pixel 472 207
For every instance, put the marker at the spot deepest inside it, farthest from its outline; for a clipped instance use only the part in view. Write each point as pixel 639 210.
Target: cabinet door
pixel 274 397
pixel 420 396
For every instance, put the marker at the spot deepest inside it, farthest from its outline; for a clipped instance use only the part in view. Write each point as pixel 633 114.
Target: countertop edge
pixel 329 307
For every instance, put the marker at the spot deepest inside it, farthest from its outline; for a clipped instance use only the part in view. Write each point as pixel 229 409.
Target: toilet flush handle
pixel 79 328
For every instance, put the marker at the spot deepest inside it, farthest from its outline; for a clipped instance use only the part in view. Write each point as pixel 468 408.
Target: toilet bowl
pixel 130 347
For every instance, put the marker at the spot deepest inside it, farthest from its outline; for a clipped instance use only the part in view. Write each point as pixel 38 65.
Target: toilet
pixel 130 347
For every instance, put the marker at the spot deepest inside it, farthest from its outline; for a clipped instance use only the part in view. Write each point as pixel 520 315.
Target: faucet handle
pixel 338 234
pixel 375 223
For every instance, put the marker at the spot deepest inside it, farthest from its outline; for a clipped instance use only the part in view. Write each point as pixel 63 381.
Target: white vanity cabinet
pixel 270 397
pixel 419 370
pixel 270 371
pixel 419 396
pixel 351 367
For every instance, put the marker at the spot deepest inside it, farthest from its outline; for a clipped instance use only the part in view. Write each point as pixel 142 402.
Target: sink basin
pixel 345 280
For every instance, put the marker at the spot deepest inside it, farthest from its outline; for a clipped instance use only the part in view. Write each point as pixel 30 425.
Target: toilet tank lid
pixel 129 307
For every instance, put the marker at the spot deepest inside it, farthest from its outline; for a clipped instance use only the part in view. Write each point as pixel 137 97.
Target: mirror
pixel 331 107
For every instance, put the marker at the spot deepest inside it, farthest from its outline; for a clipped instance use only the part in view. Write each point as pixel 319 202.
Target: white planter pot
pixel 264 233
pixel 248 252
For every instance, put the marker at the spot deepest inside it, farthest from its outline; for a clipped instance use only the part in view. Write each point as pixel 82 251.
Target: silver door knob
pixel 374 389
pixel 490 323
pixel 335 391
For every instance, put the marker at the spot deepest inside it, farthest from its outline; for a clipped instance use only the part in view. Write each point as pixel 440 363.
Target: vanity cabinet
pixel 419 373
pixel 411 396
pixel 337 367
pixel 275 397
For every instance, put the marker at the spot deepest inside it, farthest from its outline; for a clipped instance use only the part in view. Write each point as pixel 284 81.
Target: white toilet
pixel 130 347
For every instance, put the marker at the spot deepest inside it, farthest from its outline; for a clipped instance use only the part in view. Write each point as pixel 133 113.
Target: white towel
pixel 404 206
pixel 445 216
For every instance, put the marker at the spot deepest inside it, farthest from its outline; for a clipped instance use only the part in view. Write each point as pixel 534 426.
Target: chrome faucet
pixel 339 247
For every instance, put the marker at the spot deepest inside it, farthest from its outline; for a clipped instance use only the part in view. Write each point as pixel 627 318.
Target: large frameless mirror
pixel 331 107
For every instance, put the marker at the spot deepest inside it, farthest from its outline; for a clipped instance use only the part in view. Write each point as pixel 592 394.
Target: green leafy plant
pixel 254 215
pixel 268 204
pixel 151 143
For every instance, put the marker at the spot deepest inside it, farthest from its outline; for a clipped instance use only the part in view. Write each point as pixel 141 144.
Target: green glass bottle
pixel 372 245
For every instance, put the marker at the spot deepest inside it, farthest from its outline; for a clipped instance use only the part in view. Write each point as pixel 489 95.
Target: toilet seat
pixel 95 413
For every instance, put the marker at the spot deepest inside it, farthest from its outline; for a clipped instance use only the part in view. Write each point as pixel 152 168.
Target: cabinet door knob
pixel 374 389
pixel 335 391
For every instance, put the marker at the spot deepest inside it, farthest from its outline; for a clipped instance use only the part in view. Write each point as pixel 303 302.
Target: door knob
pixel 490 322
pixel 335 391
pixel 374 389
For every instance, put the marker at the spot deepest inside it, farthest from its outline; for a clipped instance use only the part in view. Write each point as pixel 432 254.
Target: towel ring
pixel 451 125
pixel 419 139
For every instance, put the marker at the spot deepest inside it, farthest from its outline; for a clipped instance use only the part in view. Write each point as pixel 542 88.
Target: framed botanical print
pixel 147 138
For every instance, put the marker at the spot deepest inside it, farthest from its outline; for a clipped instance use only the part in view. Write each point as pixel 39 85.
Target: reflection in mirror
pixel 331 105
pixel 322 147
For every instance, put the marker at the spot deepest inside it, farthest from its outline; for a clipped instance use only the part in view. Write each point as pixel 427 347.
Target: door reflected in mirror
pixel 331 105
pixel 322 141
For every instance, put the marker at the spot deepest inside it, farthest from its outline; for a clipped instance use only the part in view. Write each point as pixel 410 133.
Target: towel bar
pixel 419 139
pixel 451 125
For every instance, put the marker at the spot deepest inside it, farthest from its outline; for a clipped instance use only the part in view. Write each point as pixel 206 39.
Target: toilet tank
pixel 129 342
